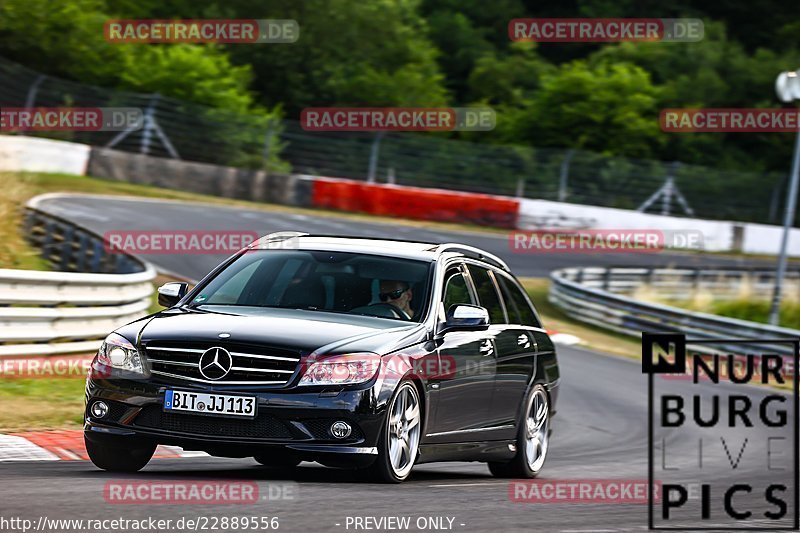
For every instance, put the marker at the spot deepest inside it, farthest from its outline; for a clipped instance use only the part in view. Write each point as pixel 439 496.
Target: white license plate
pixel 210 404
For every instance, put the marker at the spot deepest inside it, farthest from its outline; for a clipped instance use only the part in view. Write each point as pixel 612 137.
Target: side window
pixel 487 294
pixel 519 311
pixel 455 290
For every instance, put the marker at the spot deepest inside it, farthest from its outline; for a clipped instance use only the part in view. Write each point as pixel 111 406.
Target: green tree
pixel 506 80
pixel 66 39
pixel 187 72
pixel 604 108
pixel 715 72
pixel 350 52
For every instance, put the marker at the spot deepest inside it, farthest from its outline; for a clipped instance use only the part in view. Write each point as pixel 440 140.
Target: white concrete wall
pixel 718 236
pixel 34 154
pixel 764 239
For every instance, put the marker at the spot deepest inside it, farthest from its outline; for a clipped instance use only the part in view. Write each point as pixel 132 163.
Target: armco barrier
pixel 674 284
pixel 415 203
pixel 201 178
pixel 70 248
pixel 48 313
pixel 623 314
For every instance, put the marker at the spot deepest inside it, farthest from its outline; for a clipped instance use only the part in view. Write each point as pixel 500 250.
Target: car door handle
pixel 487 348
pixel 524 341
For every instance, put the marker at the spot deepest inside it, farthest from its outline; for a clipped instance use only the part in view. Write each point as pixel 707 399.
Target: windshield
pixel 339 282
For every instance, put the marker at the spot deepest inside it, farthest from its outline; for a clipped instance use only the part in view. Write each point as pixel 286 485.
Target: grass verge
pixel 753 310
pixel 555 319
pixel 32 404
pixel 15 252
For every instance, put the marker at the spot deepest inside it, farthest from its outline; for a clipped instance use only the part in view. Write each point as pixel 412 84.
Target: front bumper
pixel 288 422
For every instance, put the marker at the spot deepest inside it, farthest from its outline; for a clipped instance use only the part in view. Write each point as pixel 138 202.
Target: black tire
pixel 283 463
pixel 519 467
pixel 119 454
pixel 382 470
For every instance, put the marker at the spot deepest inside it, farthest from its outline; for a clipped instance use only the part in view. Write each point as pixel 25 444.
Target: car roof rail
pixel 277 236
pixel 475 253
pixel 282 235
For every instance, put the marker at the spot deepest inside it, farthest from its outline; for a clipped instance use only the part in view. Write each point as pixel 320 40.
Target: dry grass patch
pixel 14 250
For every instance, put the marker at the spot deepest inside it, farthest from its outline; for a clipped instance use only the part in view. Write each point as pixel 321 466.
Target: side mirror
pixel 466 318
pixel 170 294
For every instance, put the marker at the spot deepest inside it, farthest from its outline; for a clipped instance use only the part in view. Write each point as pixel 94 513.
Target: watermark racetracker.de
pixel 605 30
pixel 158 242
pixel 52 367
pixel 194 492
pixel 13 119
pixel 229 31
pixel 564 491
pixel 398 119
pixel 729 120
pixel 603 240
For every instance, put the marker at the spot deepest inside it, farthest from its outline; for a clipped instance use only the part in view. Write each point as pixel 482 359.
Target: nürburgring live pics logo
pixel 722 444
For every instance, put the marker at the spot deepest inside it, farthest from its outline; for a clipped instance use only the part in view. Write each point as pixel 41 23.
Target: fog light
pixel 99 409
pixel 341 430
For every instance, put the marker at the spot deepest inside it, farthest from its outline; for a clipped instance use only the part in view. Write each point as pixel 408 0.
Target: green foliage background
pixel 603 98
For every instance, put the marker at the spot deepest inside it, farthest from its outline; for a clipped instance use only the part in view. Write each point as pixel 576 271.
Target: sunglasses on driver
pixel 393 295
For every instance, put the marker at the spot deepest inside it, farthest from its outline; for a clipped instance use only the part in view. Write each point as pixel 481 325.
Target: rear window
pixel 519 312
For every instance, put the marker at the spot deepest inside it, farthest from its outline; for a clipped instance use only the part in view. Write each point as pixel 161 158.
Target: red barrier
pixel 416 203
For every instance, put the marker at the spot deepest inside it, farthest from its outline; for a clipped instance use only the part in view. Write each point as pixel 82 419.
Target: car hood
pixel 300 330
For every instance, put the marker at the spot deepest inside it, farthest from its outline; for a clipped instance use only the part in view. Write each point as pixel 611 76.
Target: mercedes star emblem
pixel 215 363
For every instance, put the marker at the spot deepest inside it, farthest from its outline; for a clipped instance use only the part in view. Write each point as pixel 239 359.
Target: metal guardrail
pixel 584 294
pixel 687 283
pixel 72 310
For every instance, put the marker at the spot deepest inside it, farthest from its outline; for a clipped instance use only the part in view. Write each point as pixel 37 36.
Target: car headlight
pixel 341 369
pixel 117 352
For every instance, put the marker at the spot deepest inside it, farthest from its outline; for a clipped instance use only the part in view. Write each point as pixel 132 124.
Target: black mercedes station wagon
pixel 352 352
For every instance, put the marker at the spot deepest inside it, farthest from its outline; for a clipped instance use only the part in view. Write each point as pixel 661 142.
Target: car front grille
pixel 251 365
pixel 264 426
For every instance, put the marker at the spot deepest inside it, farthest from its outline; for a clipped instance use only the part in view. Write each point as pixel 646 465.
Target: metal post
pixel 268 143
pixel 520 187
pixel 148 124
pixel 669 189
pixel 666 196
pixel 788 222
pixel 30 99
pixel 373 157
pixel 773 204
pixel 564 176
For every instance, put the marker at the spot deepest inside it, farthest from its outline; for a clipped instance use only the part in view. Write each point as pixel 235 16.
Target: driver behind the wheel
pixel 397 293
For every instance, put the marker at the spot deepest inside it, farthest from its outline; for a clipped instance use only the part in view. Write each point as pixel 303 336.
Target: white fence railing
pixel 586 294
pixel 47 313
pixel 672 284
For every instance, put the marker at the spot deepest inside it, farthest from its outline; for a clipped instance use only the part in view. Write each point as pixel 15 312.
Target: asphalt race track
pixel 116 214
pixel 600 431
